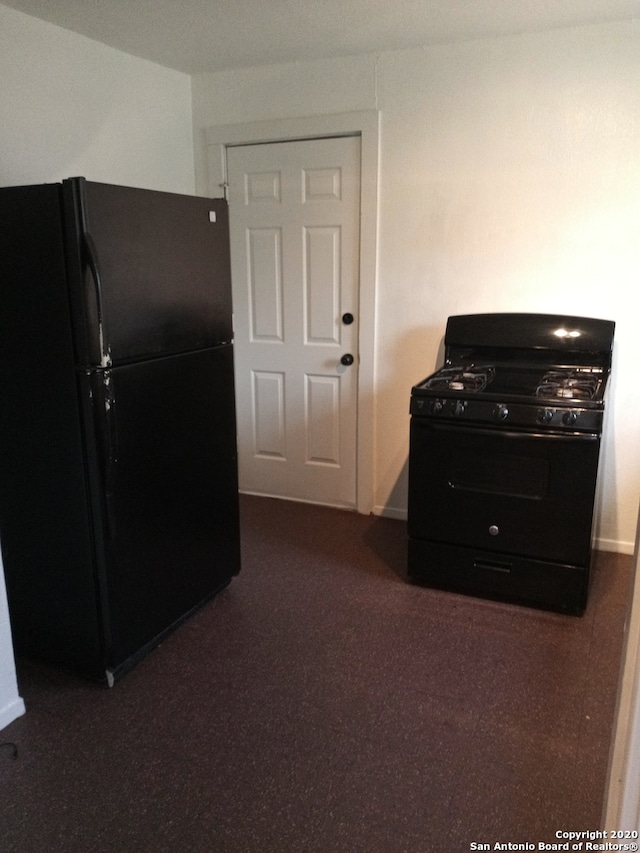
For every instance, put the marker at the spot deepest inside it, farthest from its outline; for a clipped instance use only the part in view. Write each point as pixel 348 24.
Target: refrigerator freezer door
pixel 168 474
pixel 150 272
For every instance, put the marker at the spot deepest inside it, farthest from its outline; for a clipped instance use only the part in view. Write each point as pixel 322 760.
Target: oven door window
pixel 499 474
pixel 514 492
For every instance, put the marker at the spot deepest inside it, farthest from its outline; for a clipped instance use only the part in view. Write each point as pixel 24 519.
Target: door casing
pixel 366 125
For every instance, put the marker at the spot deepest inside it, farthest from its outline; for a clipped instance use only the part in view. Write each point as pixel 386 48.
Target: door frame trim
pixel 366 125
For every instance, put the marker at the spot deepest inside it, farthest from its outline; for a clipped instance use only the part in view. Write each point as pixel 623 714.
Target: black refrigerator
pixel 118 463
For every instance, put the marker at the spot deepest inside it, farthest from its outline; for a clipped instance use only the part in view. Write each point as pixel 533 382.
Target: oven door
pixel 521 493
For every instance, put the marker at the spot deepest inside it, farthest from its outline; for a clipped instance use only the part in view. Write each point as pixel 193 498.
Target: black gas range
pixel 505 441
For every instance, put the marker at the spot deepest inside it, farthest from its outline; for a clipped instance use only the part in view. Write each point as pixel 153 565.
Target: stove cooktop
pixel 534 397
pixel 583 384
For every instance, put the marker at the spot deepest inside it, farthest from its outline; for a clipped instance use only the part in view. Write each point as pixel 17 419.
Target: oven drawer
pixel 519 493
pixel 518 580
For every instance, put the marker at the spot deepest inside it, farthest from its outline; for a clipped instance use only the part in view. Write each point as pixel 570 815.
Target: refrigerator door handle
pixel 101 442
pixel 111 448
pixel 91 255
pixel 103 436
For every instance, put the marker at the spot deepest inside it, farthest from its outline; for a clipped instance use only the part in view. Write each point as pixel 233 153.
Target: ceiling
pixel 196 36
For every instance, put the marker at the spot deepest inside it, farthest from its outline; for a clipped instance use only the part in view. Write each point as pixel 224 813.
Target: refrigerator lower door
pixel 166 483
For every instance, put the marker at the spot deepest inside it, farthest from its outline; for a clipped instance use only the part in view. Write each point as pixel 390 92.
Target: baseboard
pixel 616 545
pixel 391 512
pixel 11 712
pixel 347 507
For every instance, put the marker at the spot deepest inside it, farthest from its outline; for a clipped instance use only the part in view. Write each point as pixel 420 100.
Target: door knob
pixel 346 359
pixel 347 319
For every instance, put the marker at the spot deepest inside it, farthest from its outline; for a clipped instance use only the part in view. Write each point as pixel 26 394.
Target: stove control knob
pixel 501 412
pixel 458 407
pixel 569 418
pixel 545 416
pixel 436 407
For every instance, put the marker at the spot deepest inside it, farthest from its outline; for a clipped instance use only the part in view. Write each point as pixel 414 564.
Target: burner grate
pixel 581 383
pixel 470 378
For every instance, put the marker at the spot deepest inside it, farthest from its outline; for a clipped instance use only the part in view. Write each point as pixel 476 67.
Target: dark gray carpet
pixel 321 703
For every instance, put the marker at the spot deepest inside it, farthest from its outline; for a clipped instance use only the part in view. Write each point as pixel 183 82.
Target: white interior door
pixel 294 215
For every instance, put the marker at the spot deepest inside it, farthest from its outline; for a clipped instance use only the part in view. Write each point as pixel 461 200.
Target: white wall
pixel 622 806
pixel 11 705
pixel 70 106
pixel 509 181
